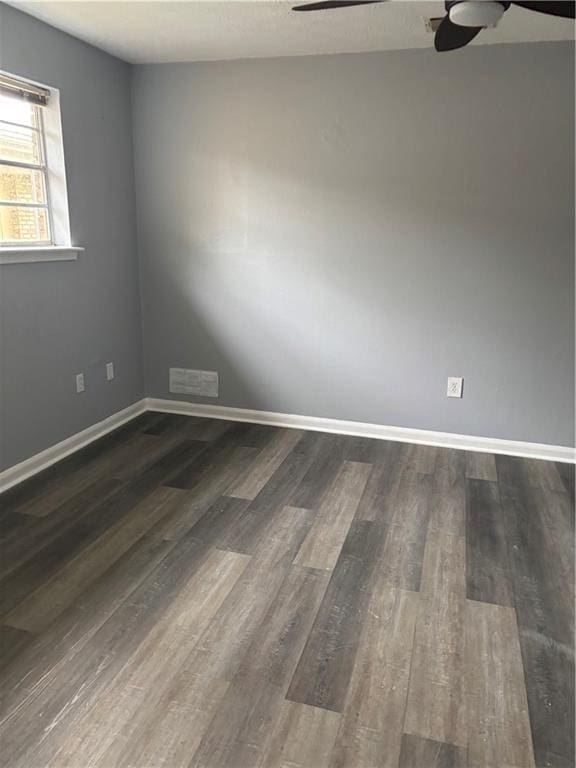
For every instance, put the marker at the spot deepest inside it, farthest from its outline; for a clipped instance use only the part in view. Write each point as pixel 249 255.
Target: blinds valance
pixel 20 89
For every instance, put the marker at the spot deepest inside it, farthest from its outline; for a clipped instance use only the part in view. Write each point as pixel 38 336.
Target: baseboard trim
pixel 361 429
pixel 25 469
pixel 29 467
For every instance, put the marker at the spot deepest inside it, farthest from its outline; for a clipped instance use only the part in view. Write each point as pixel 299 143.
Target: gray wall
pixel 336 235
pixel 61 318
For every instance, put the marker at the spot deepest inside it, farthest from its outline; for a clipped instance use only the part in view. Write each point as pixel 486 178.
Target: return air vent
pixel 187 382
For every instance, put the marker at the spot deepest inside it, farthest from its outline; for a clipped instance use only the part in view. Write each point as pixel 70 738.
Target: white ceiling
pixel 164 31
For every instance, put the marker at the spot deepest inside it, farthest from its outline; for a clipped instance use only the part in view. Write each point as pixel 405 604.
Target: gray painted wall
pixel 336 235
pixel 58 319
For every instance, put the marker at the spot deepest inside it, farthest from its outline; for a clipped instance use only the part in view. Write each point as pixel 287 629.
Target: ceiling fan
pixel 464 18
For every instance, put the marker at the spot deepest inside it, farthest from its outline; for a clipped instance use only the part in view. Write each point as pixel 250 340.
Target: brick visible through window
pixel 24 211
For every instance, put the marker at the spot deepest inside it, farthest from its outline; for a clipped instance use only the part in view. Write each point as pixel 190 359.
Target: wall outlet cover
pixel 80 383
pixel 454 388
pixel 189 382
pixel 109 371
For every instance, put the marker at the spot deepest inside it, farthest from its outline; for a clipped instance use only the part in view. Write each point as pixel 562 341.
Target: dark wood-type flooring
pixel 193 592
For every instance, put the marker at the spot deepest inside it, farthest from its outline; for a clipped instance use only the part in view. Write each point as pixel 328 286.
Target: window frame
pixel 60 247
pixel 42 167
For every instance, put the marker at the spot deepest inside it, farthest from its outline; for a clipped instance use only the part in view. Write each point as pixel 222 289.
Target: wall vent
pixel 188 382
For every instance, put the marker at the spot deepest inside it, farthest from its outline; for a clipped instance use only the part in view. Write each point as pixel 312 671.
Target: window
pixel 34 222
pixel 24 193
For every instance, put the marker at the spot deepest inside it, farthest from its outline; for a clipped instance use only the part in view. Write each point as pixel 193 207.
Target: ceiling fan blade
pixel 450 36
pixel 329 4
pixel 563 8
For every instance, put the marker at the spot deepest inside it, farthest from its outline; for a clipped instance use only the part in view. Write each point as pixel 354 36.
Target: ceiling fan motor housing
pixel 476 13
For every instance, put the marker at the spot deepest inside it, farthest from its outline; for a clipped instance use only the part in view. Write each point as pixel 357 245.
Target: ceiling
pixel 204 30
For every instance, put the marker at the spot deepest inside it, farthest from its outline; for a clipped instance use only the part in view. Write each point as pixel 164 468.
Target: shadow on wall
pixel 287 294
pixel 338 235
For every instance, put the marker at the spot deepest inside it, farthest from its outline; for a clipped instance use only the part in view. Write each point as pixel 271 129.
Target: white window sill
pixel 31 253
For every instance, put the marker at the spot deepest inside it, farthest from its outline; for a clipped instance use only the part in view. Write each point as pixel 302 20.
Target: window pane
pixel 19 144
pixel 23 225
pixel 16 111
pixel 21 185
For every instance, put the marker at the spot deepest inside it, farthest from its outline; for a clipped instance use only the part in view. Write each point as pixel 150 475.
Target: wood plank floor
pixel 189 592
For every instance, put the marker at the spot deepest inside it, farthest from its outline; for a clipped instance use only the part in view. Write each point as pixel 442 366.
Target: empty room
pixel 287 398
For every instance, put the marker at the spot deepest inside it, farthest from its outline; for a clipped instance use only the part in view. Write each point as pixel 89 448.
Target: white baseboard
pixel 377 431
pixel 19 472
pixel 33 465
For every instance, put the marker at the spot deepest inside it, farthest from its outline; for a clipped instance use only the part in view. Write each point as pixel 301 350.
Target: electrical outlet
pixel 109 371
pixel 79 383
pixel 454 388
